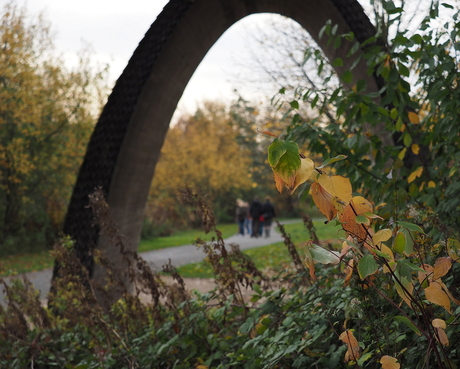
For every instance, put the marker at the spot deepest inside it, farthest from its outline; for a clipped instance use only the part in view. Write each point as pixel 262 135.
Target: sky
pixel 113 29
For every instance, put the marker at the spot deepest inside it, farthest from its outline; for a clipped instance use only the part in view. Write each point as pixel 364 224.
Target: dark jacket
pixel 268 210
pixel 255 210
pixel 241 213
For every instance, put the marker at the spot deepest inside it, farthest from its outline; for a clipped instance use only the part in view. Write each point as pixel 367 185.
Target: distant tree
pixel 200 151
pixel 46 116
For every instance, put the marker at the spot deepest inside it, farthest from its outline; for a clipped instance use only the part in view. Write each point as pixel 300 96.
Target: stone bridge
pixel 126 142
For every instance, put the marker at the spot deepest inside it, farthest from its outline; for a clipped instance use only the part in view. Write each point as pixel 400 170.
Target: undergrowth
pixel 252 319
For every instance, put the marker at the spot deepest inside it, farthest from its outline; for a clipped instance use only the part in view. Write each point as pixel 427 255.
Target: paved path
pixel 179 255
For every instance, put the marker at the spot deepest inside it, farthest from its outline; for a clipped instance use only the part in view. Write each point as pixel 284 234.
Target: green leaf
pixel 408 323
pixel 409 246
pixel 315 101
pixel 406 263
pixel 334 29
pixel 294 104
pixel 347 77
pixel 361 219
pixel 407 139
pixel 400 243
pixel 338 62
pixel 382 254
pixel 288 163
pixel 323 256
pixel 275 151
pixel 332 160
pixel 394 113
pixel 364 358
pixel 367 266
pixel 410 226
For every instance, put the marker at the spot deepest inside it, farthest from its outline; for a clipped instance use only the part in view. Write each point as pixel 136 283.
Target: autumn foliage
pixel 47 112
pixel 394 256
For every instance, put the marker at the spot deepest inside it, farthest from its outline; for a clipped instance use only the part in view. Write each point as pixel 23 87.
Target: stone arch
pixel 126 142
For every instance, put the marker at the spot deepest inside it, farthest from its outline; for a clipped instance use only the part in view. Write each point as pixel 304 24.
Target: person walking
pixel 255 211
pixel 247 220
pixel 268 211
pixel 241 215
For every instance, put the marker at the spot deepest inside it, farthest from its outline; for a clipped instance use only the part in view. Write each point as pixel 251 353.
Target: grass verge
pixel 274 256
pixel 24 263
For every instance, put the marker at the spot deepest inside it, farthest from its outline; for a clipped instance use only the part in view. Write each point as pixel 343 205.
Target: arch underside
pixel 128 137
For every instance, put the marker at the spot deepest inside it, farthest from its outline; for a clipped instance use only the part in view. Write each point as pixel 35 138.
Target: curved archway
pixel 127 139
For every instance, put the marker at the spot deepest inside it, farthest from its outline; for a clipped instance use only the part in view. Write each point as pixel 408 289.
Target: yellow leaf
pixel 337 186
pixel 353 350
pixel 439 323
pixel 323 201
pixel 402 154
pixel 415 149
pixel 413 117
pixel 382 236
pixel 436 295
pixel 415 174
pixel 387 250
pixel 441 267
pixel 303 174
pixel 389 362
pixel 406 296
pixel 431 184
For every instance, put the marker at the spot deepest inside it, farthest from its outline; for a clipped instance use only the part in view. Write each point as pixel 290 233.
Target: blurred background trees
pixel 47 112
pixel 218 152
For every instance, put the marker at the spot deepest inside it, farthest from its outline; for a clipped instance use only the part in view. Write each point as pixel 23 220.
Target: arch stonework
pixel 126 142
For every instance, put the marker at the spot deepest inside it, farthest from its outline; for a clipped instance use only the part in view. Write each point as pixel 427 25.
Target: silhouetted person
pixel 268 211
pixel 255 211
pixel 241 215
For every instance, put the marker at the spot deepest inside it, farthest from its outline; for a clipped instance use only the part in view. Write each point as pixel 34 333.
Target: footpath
pixel 179 255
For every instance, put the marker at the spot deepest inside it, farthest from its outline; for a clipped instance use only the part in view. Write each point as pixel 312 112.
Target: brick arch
pixel 126 142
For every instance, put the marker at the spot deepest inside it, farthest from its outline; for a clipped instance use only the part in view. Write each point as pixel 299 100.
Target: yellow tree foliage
pixel 46 116
pixel 201 151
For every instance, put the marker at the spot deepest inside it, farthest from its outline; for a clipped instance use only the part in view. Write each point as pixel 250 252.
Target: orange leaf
pixel 428 275
pixel 413 117
pixel 439 323
pixel 436 295
pixel 446 290
pixel 323 201
pixel 441 267
pixel 279 183
pixel 441 336
pixel 348 272
pixel 358 206
pixel 268 133
pixel 353 350
pixel 389 362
